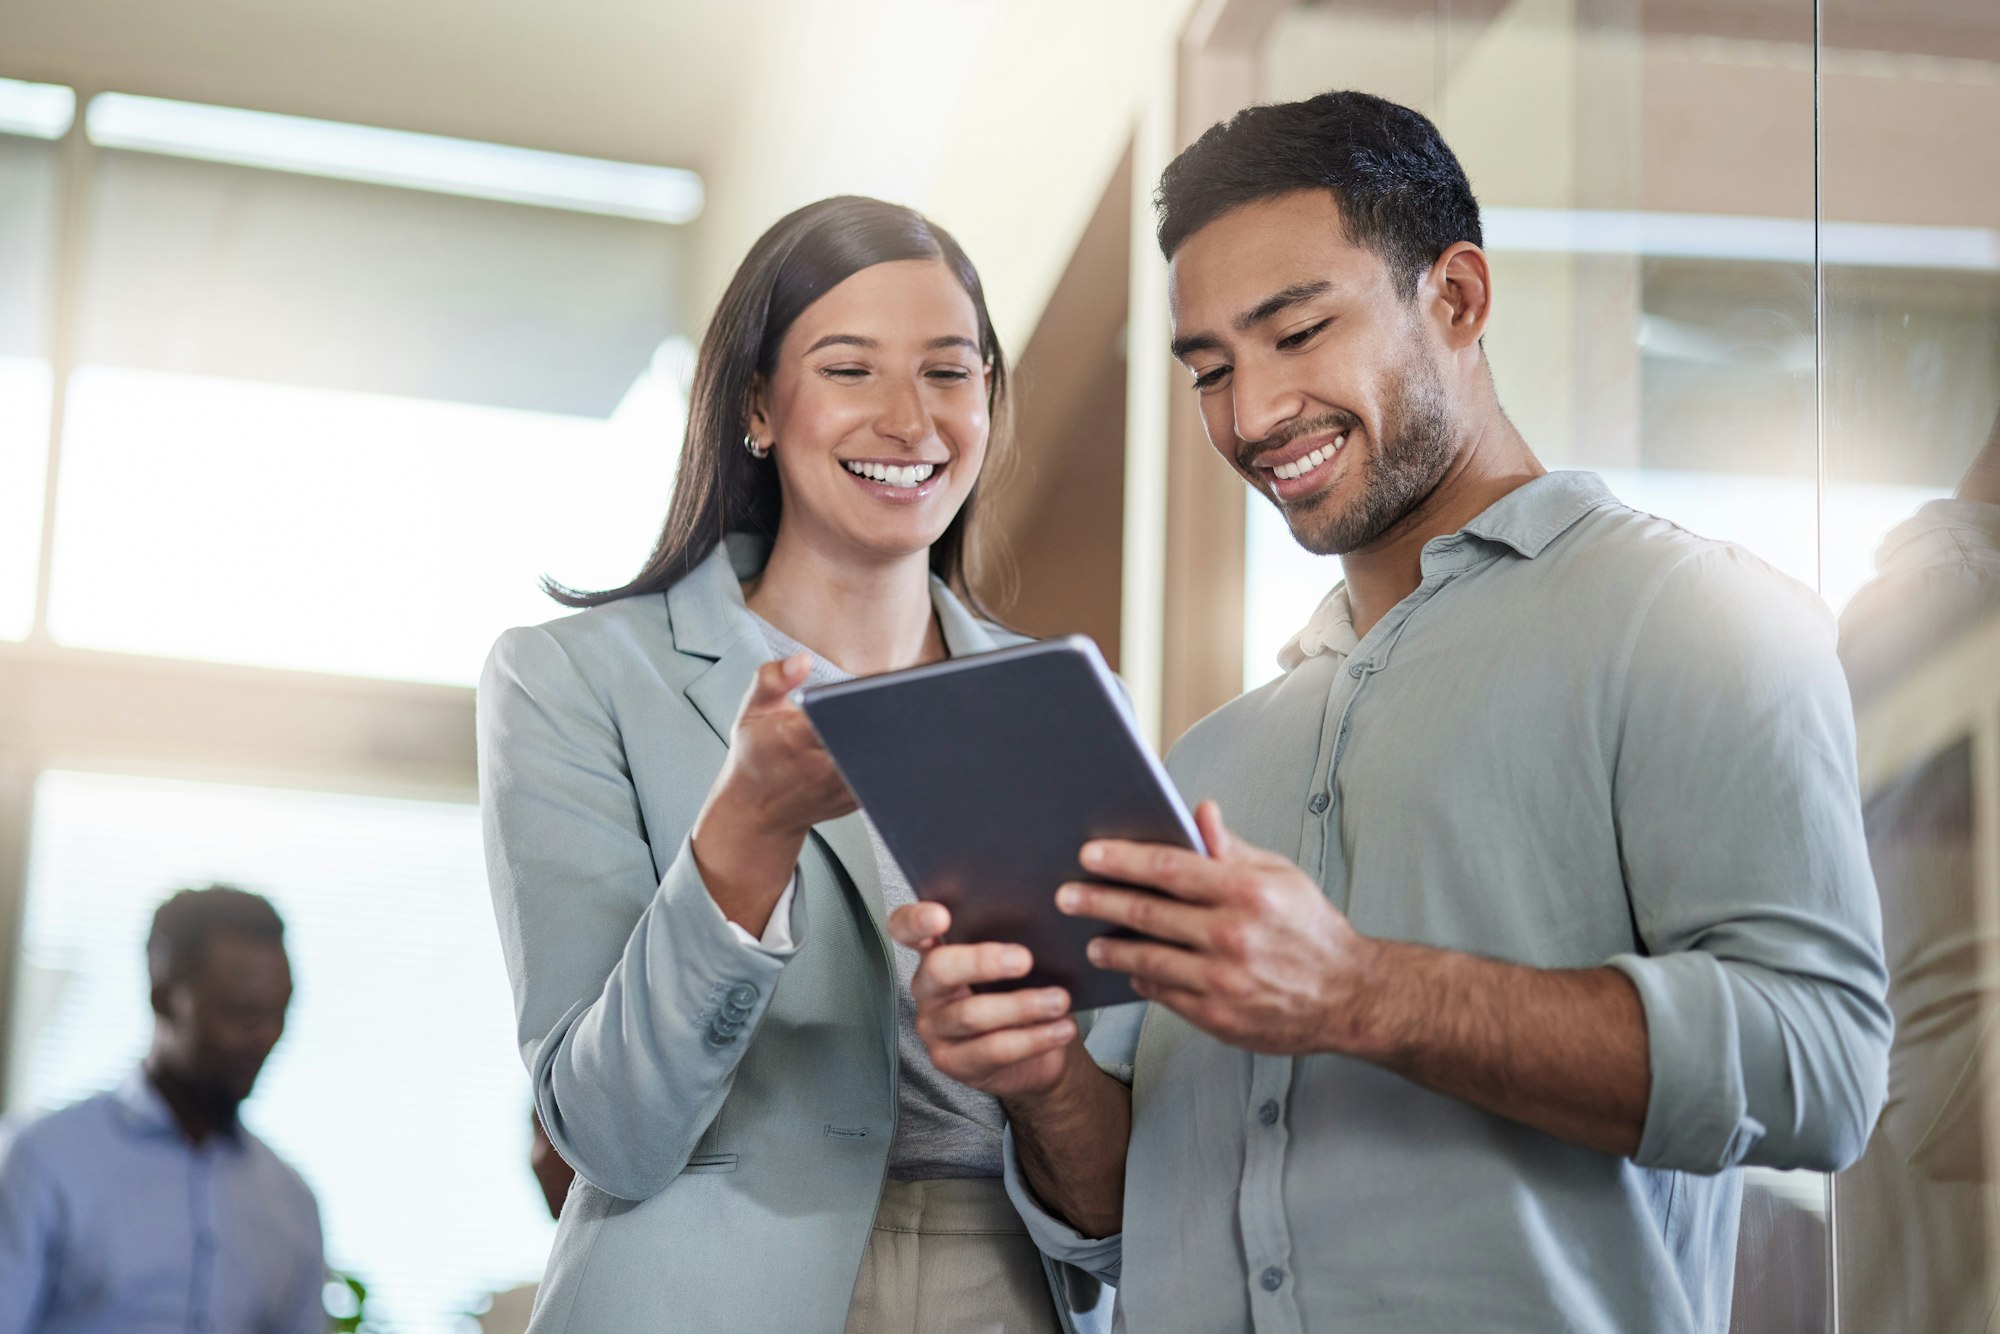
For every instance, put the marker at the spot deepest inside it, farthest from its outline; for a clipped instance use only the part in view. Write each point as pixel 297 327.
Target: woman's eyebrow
pixel 857 340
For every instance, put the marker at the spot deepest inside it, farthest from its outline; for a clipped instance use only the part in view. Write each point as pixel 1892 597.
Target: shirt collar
pixel 1530 517
pixel 1331 630
pixel 146 1114
pixel 1525 520
pixel 1941 532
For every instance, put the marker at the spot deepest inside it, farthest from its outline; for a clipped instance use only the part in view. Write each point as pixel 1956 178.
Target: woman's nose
pixel 902 417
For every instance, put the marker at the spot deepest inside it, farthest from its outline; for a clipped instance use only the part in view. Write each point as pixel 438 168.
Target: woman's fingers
pixel 921 926
pixel 776 680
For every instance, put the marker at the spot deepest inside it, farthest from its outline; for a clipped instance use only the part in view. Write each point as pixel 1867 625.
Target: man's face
pixel 217 1027
pixel 1317 381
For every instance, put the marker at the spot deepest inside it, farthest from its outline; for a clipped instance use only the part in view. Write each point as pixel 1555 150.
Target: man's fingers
pixel 980 1057
pixel 947 968
pixel 919 925
pixel 1167 965
pixel 977 1015
pixel 1177 871
pixel 1148 914
pixel 1208 819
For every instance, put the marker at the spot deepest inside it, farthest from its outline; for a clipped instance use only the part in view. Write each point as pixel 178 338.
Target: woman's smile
pixel 896 481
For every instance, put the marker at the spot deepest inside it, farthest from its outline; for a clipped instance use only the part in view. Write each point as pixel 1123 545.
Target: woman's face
pixel 876 412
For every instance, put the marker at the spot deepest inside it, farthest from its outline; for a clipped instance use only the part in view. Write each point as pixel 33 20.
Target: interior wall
pixel 1060 506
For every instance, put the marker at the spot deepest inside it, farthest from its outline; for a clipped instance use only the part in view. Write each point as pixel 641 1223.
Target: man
pixel 151 1208
pixel 1543 902
pixel 1918 1212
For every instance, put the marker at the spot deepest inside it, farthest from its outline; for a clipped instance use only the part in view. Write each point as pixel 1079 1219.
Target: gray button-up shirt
pixel 1588 737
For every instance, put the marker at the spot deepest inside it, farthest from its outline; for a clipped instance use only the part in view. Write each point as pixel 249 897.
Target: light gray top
pixel 728 1108
pixel 1587 738
pixel 943 1128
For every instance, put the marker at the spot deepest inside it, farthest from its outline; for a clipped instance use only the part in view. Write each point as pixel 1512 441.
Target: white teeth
pixel 908 475
pixel 1300 467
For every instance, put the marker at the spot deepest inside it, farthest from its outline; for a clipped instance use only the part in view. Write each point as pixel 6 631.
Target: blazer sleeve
pixel 634 1000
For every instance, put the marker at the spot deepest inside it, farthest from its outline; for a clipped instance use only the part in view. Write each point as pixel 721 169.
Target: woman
pixel 720 1035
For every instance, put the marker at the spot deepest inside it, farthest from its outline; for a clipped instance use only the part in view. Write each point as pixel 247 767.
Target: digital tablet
pixel 987 774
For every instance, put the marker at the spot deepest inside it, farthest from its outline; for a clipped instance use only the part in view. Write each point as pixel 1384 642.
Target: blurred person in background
pixel 1918 1212
pixel 1545 904
pixel 151 1207
pixel 720 1037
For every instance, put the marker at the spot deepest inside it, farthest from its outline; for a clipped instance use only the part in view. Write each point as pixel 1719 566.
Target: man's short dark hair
pixel 186 922
pixel 1399 187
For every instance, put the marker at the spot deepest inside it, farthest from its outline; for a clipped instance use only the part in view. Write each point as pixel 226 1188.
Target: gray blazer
pixel 728 1112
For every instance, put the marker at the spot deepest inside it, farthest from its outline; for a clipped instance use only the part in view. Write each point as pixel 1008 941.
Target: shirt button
pixel 1268 1113
pixel 1273 1279
pixel 1318 804
pixel 1355 671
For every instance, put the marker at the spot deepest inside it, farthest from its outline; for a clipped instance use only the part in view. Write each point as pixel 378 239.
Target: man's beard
pixel 1406 466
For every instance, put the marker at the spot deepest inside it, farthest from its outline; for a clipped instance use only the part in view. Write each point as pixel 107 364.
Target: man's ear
pixel 162 997
pixel 1460 290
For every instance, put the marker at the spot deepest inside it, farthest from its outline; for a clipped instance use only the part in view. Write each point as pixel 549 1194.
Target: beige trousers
pixel 950 1257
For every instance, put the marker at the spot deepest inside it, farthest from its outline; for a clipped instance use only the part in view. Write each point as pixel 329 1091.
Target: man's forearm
pixel 1564 1051
pixel 1070 1143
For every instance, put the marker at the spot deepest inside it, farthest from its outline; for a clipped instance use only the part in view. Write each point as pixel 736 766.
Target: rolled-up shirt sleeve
pixel 1739 824
pixel 1113 1041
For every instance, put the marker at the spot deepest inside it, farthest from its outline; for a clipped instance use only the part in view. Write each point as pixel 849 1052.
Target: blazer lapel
pixel 710 620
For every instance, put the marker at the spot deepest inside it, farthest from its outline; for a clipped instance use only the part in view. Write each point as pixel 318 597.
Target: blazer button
pixel 742 996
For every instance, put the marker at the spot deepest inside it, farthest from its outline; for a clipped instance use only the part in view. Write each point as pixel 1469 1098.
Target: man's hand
pixel 1245 945
pixel 1006 1043
pixel 1071 1121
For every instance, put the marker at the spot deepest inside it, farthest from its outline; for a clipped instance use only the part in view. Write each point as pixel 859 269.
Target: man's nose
pixel 1263 402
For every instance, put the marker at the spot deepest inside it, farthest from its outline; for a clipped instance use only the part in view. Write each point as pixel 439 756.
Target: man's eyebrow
pixel 1249 319
pixel 1280 300
pixel 1182 348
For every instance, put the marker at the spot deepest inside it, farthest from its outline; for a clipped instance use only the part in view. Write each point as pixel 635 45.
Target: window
pixel 31 115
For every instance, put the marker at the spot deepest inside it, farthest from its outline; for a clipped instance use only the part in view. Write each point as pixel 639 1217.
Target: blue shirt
pixel 1587 738
pixel 112 1223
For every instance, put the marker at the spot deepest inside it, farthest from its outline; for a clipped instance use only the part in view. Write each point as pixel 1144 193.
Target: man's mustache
pixel 1248 455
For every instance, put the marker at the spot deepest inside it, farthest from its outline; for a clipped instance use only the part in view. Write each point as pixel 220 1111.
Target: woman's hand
pixel 777 783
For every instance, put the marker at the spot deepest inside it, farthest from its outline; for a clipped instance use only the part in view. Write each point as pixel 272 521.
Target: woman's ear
pixel 759 416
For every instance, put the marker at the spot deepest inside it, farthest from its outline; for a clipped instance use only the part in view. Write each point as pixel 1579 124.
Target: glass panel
pixel 349 426
pixel 1646 174
pixel 28 207
pixel 1911 235
pixel 398 1062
